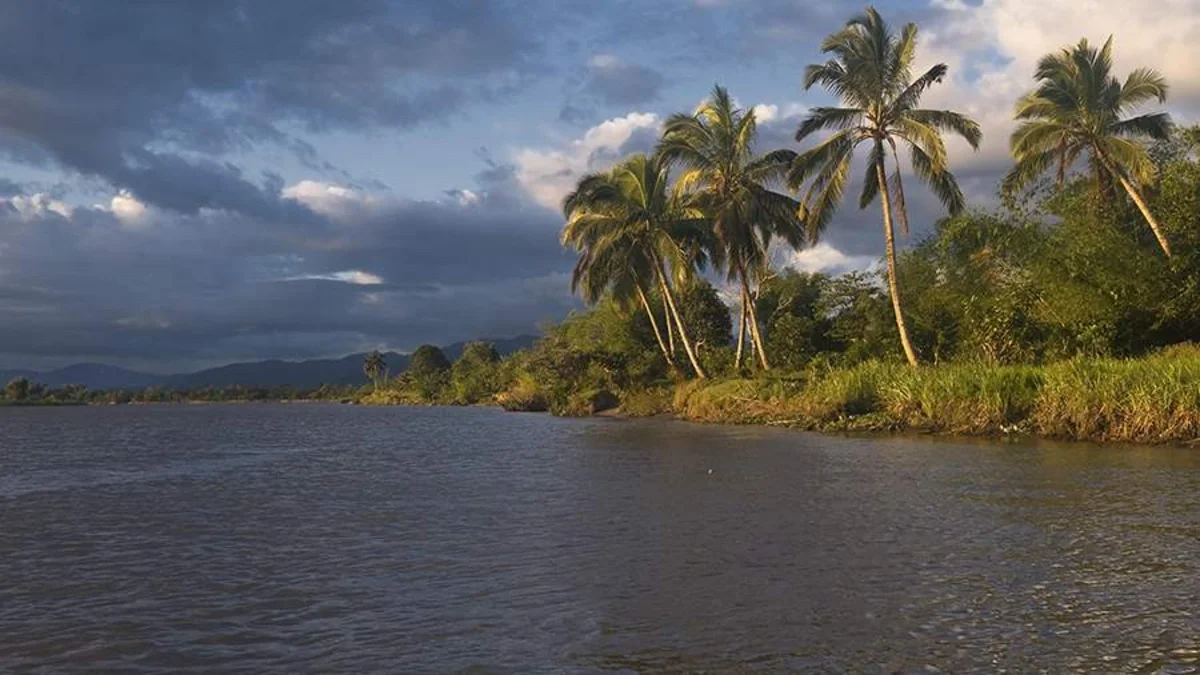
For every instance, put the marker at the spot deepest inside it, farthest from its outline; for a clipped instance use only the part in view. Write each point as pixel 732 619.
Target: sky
pixel 186 184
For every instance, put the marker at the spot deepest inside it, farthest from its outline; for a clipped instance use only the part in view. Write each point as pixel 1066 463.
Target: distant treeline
pixel 22 391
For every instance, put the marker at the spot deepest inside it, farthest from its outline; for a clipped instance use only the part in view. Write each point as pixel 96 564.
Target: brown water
pixel 315 538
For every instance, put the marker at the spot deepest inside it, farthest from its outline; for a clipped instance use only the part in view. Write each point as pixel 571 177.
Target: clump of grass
pixel 523 395
pixel 848 392
pixel 962 399
pixel 647 403
pixel 739 401
pixel 1150 400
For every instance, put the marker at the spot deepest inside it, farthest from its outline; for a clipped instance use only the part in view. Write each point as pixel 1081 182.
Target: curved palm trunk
pixel 1138 199
pixel 752 315
pixel 893 284
pixel 741 340
pixel 683 337
pixel 670 329
pixel 653 322
pixel 1136 195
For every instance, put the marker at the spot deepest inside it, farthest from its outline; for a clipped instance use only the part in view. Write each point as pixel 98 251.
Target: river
pixel 321 538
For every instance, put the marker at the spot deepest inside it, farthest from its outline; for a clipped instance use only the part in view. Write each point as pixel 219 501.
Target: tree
pixel 632 231
pixel 796 325
pixel 475 375
pixel 871 72
pixel 705 315
pixel 428 368
pixel 1079 108
pixel 374 367
pixel 17 389
pixel 733 186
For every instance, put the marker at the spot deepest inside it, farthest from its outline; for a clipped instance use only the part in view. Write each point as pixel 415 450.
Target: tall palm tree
pixel 374 366
pixel 632 232
pixel 1079 107
pixel 733 185
pixel 871 72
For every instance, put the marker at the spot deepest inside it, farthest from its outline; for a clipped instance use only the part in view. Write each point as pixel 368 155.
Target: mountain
pixel 304 374
pixel 274 373
pixel 91 375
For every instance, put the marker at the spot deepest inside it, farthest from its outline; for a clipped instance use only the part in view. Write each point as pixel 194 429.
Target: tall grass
pixel 1151 400
pixel 1155 399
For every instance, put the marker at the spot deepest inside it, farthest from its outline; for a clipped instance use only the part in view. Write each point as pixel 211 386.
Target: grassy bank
pixel 1155 399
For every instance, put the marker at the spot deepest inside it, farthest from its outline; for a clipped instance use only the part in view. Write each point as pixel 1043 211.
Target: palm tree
pixel 1079 107
pixel 732 185
pixel 632 233
pixel 374 366
pixel 871 72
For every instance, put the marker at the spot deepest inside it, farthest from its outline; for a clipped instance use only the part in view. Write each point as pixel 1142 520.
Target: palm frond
pixel 939 180
pixel 951 122
pixel 820 119
pixel 1156 126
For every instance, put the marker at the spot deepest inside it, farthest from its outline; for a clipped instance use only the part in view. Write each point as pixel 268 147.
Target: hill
pixel 272 373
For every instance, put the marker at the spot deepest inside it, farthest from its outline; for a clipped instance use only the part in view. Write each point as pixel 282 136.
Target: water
pixel 312 538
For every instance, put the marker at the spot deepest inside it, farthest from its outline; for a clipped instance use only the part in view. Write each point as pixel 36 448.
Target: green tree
pixel 17 389
pixel 428 369
pixel 871 72
pixel 797 327
pixel 375 367
pixel 475 375
pixel 733 185
pixel 706 317
pixel 1079 108
pixel 631 231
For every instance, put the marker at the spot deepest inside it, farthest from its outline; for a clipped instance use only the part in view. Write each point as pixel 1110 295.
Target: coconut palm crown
pixel 1080 108
pixel 633 233
pixel 733 185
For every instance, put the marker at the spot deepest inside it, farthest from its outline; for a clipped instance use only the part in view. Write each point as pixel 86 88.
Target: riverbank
pixel 1154 400
pixel 1150 400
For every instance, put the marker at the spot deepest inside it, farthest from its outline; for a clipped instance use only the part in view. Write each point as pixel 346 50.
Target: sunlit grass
pixel 1149 400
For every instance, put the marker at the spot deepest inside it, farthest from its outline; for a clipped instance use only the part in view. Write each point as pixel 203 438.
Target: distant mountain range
pixel 273 373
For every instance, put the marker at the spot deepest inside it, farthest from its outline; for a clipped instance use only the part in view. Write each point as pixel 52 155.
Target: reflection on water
pixel 326 538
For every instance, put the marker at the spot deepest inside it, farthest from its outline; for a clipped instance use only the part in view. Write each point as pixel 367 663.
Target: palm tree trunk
pixel 753 316
pixel 893 284
pixel 670 329
pixel 1136 194
pixel 687 344
pixel 653 323
pixel 741 341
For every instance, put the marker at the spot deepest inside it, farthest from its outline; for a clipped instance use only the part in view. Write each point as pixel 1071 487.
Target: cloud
pixel 153 110
pixel 827 259
pixel 548 175
pixel 355 277
pixel 615 82
pixel 199 289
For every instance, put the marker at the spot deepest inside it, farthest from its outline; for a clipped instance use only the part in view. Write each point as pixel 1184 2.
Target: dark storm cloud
pixel 198 289
pixel 130 91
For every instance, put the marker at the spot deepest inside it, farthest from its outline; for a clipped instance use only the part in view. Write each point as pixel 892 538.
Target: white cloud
pixel 331 200
pixel 827 259
pixel 129 210
pixel 467 197
pixel 354 277
pixel 548 175
pixel 770 113
pixel 37 205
